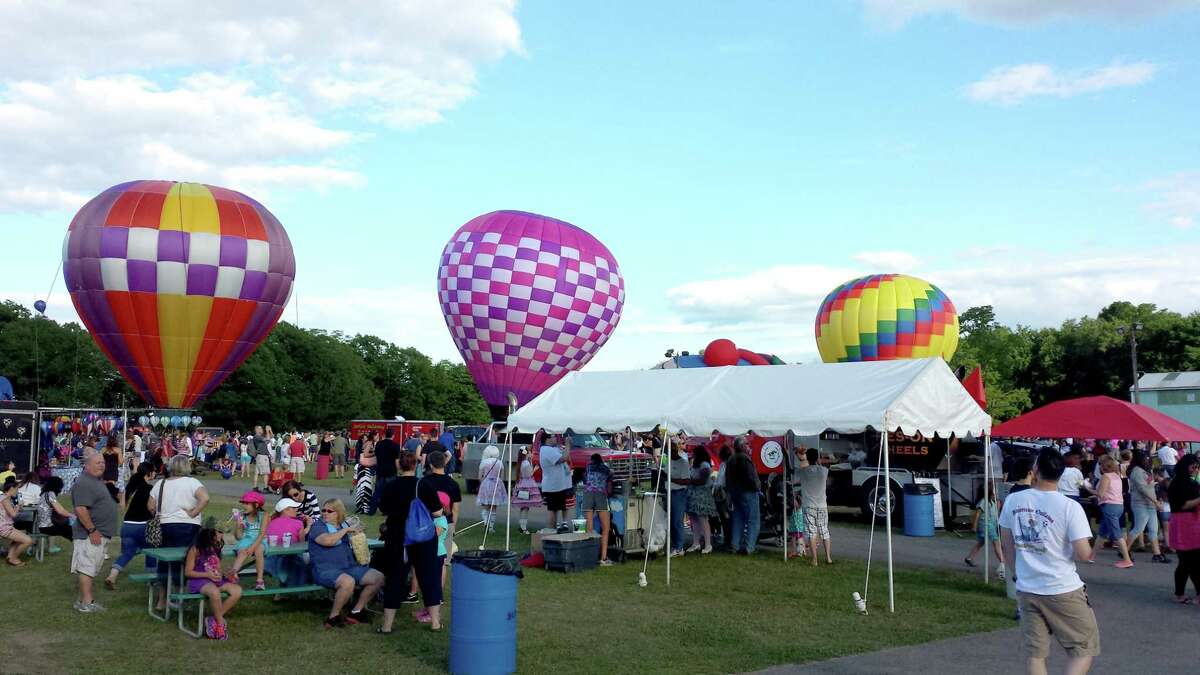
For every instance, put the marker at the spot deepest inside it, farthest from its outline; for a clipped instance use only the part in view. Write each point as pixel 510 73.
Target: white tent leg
pixel 508 507
pixel 887 470
pixel 987 484
pixel 670 516
pixel 949 488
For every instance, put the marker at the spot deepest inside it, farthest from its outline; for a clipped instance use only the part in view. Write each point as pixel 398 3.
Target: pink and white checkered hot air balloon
pixel 527 298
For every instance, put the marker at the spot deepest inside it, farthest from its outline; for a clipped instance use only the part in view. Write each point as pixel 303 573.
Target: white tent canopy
pixel 914 396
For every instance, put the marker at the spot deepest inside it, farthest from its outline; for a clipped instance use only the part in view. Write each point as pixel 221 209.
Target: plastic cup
pixel 287 538
pixel 272 540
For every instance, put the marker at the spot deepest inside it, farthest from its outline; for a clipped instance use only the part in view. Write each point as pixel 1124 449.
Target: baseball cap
pixel 286 503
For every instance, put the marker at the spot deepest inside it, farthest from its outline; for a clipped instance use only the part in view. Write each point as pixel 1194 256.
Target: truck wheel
pixel 874 502
pixel 472 486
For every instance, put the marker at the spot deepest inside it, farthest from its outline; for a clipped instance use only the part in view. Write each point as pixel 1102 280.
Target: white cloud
pixel 895 13
pixel 895 261
pixel 74 137
pixel 1177 199
pixel 1013 84
pixel 223 90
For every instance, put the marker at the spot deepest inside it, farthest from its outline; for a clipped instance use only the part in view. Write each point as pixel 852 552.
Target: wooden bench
pixel 181 598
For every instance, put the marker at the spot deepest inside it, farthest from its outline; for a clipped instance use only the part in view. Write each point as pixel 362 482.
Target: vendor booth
pixel 919 396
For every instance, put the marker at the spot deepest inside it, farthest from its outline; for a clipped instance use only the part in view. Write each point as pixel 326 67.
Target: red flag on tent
pixel 973 383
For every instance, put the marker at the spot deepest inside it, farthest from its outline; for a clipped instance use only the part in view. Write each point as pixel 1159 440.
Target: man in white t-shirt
pixel 1044 533
pixel 1169 458
pixel 1072 478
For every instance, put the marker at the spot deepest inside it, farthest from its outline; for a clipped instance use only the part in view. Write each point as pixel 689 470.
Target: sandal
pixel 1182 600
pixel 260 585
pixel 15 563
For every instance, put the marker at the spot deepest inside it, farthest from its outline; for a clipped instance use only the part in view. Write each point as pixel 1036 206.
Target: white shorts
pixel 296 466
pixel 87 558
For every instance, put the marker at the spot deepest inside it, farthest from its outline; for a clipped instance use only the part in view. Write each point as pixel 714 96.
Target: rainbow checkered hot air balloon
pixel 884 317
pixel 178 283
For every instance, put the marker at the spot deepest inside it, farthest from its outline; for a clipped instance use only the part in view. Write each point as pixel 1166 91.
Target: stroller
pixel 772 525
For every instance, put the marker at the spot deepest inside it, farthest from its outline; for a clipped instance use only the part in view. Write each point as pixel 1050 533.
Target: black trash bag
pixel 920 489
pixel 491 562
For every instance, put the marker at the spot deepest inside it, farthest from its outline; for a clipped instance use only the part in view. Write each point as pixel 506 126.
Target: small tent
pixel 1098 417
pixel 912 396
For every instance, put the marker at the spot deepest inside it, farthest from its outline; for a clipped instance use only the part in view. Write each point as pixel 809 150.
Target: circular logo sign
pixel 771 454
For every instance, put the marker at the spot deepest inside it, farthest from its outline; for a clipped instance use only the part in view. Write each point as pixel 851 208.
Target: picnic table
pixel 178 554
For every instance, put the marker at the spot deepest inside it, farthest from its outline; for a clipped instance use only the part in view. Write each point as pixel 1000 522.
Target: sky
pixel 740 160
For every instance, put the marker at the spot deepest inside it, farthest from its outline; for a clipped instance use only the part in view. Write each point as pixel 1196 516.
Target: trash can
pixel 483 613
pixel 919 502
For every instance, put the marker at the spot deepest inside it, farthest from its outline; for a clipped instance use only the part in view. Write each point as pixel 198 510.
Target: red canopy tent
pixel 1098 417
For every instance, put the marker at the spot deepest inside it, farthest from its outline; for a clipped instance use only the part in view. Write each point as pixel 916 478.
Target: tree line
pixel 1027 367
pixel 298 378
pixel 311 379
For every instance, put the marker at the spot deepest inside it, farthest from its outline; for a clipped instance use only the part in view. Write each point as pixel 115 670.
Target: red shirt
pixel 297 448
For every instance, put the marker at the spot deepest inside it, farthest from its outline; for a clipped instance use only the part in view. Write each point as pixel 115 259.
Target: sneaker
pixel 693 548
pixel 210 627
pixel 606 563
pixel 1160 558
pixel 222 630
pixel 677 553
pixel 260 586
pixel 89 608
pixel 1123 564
pixel 411 599
pixel 54 549
pixel 968 563
pixel 706 550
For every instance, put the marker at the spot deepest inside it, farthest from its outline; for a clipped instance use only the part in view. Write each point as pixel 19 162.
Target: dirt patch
pixel 30 653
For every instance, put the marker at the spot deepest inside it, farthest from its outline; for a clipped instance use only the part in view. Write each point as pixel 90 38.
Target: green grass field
pixel 721 614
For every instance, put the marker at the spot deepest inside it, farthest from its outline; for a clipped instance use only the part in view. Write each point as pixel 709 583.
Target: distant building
pixel 1174 394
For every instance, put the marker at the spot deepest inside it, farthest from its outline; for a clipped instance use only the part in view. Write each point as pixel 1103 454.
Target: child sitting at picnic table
pixel 249 530
pixel 290 570
pixel 203 571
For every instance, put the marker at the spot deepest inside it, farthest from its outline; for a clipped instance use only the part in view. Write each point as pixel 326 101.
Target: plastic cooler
pixel 571 552
pixel 483 613
pixel 919 502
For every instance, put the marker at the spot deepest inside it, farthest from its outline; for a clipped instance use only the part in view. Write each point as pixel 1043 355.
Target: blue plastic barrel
pixel 483 613
pixel 919 502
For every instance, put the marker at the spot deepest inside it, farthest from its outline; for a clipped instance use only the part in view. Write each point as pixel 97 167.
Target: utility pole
pixel 1133 329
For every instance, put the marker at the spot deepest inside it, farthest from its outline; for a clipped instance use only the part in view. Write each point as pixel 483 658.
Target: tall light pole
pixel 1133 329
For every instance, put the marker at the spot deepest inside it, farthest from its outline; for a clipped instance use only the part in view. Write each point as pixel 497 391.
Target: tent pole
pixel 987 484
pixel 670 517
pixel 508 508
pixel 887 470
pixel 788 451
pixel 949 487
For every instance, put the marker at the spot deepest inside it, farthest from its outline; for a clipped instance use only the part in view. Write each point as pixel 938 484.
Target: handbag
pixel 154 525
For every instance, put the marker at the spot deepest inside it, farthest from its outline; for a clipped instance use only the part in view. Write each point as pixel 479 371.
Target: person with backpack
pixel 421 544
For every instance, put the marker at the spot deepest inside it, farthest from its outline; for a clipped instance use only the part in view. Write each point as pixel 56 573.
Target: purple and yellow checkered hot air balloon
pixel 178 283
pixel 884 317
pixel 527 298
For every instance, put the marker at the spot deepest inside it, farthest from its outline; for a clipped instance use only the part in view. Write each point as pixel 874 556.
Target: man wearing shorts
pixel 1044 532
pixel 812 479
pixel 556 481
pixel 262 457
pixel 337 454
pixel 95 525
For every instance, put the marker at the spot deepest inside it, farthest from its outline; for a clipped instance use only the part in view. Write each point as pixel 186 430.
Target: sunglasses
pixel 328 511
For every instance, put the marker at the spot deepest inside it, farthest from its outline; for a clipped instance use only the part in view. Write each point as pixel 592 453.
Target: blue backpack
pixel 419 527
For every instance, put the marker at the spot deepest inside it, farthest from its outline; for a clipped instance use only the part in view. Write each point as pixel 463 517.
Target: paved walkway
pixel 1141 630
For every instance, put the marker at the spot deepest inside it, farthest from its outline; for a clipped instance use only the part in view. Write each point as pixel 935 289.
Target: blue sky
pixel 739 160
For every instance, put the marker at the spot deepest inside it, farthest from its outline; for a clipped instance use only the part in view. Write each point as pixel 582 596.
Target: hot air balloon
pixel 527 298
pixel 178 283
pixel 143 420
pixel 196 420
pixel 886 316
pixel 40 306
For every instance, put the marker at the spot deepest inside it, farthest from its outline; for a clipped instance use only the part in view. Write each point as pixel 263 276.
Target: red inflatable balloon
pixel 720 352
pixel 752 358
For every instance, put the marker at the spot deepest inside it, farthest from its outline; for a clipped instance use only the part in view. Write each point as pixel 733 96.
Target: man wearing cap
pixel 262 457
pixel 95 525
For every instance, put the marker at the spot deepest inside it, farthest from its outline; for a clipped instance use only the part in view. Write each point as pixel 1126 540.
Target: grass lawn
pixel 721 614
